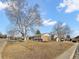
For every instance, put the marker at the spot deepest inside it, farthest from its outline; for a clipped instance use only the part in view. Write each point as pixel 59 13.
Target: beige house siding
pixel 45 37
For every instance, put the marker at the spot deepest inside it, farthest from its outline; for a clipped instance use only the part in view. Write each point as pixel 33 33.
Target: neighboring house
pixel 47 37
pixel 56 38
pixel 66 38
pixel 3 36
pixel 76 39
pixel 43 37
pixel 35 38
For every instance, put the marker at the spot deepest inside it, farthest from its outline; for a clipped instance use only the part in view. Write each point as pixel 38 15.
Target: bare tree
pixel 61 31
pixel 23 17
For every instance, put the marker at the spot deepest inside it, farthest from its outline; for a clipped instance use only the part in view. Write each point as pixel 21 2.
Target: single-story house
pixel 43 37
pixel 76 39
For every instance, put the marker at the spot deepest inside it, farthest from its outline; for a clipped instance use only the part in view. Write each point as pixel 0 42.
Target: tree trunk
pixel 25 38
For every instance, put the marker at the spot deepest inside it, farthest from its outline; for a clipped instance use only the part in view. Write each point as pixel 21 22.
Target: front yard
pixel 34 50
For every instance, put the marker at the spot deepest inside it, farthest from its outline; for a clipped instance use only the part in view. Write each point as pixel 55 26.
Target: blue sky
pixel 52 11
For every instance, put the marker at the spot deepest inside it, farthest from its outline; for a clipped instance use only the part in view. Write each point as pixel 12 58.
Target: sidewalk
pixel 69 53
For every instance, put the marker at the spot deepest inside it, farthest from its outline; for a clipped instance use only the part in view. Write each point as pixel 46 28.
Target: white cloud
pixel 76 33
pixel 3 5
pixel 64 24
pixel 77 18
pixel 61 5
pixel 71 5
pixel 49 22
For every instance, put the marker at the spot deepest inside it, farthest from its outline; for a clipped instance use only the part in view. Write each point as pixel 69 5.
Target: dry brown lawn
pixel 34 50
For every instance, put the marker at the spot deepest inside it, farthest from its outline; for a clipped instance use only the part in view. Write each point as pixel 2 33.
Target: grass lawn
pixel 34 50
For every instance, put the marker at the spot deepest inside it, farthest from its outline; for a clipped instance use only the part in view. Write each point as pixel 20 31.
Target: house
pixel 35 38
pixel 45 37
pixel 76 39
pixel 55 37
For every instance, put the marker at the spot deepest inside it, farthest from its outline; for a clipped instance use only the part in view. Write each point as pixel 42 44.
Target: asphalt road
pixel 76 56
